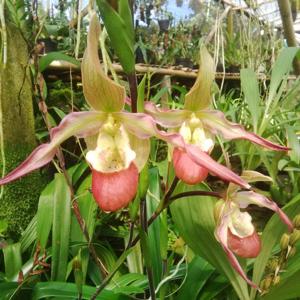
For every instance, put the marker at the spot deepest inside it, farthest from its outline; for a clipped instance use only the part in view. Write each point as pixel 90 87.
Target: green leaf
pixel 7 289
pixel 154 233
pixel 126 16
pixel 250 88
pixel 66 290
pixel 118 34
pixel 288 286
pixel 3 226
pixel 193 216
pixel 61 228
pixel 214 286
pixel 29 235
pixel 45 214
pixel 141 94
pixel 47 59
pixel 88 207
pixel 270 237
pixel 281 68
pixel 12 260
pixel 199 271
pixel 294 144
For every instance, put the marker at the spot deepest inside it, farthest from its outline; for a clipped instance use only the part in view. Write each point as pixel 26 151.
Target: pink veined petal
pixel 138 124
pixel 216 122
pixel 114 191
pixel 245 198
pixel 222 237
pixel 77 123
pixel 186 169
pixel 100 91
pixel 247 247
pixel 143 126
pixel 168 118
pixel 42 155
pixel 217 169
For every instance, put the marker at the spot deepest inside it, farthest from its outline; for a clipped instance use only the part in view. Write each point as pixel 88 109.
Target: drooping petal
pixel 100 91
pixel 247 247
pixel 245 198
pixel 204 160
pixel 78 123
pixel 143 126
pixel 222 236
pixel 114 191
pixel 199 97
pixel 171 118
pixel 216 122
pixel 186 169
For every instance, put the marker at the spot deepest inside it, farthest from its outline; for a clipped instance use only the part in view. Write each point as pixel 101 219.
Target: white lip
pixel 113 152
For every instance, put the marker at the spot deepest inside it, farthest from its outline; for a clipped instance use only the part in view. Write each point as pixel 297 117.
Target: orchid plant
pixel 118 147
pixel 122 138
pixel 197 124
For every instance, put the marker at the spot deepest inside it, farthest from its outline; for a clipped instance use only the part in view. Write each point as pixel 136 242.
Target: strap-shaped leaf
pixel 118 32
pixel 126 16
pixel 199 97
pixel 100 92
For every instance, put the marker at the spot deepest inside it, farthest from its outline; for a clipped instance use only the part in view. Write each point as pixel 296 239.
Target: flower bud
pixel 295 236
pixel 78 275
pixel 296 221
pixel 284 242
pixel 291 252
pixel 266 283
pixel 276 280
pixel 273 264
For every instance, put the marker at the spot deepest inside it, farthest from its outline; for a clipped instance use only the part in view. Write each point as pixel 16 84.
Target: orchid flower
pixel 198 124
pixel 118 155
pixel 235 230
pixel 118 141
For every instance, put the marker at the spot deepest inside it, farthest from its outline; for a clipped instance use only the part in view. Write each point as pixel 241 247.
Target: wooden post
pixel 289 33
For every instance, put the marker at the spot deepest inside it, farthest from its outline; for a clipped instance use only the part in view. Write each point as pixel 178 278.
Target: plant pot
pixel 164 25
pixel 184 62
pixel 48 45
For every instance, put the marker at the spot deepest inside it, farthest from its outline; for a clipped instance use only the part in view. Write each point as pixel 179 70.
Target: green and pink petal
pixel 81 124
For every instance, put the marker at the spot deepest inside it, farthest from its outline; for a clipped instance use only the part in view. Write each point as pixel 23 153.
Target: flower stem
pixel 133 91
pixel 194 193
pixel 144 244
pixel 60 156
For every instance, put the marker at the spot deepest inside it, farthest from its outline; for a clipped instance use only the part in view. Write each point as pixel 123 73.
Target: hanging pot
pixel 48 45
pixel 184 62
pixel 164 25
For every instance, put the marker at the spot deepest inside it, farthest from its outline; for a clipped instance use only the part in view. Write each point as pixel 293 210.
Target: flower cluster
pixel 121 148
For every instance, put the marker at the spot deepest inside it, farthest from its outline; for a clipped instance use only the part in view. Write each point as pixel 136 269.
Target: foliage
pixel 70 247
